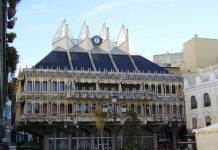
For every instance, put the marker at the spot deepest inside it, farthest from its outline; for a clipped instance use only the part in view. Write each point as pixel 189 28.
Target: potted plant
pixel 11 36
pixel 11 23
pixel 11 12
pixel 12 58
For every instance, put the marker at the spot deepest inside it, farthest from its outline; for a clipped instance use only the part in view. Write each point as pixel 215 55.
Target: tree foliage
pixel 131 132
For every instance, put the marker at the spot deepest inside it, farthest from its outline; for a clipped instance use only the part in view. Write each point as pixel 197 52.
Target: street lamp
pixel 123 109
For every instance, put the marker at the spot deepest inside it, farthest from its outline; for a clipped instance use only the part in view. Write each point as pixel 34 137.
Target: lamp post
pixel 105 110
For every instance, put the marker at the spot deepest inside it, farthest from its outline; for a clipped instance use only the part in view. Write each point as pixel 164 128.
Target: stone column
pixel 113 140
pixel 155 130
pixel 155 143
pixel 174 139
pixel 45 142
pixel 92 130
pixel 92 142
pixel 69 141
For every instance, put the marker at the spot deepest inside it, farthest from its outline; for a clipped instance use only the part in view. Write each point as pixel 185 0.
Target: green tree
pixel 100 123
pixel 131 132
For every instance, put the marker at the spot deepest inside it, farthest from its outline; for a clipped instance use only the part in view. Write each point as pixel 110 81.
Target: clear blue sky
pixel 155 26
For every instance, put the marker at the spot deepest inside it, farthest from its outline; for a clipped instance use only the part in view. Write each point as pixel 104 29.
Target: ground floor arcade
pixel 88 138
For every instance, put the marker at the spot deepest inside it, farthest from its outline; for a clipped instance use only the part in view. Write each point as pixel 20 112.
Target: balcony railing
pixel 88 94
pixel 99 74
pixel 72 118
pixel 110 94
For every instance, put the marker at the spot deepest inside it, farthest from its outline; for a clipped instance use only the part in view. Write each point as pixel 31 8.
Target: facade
pixel 57 98
pixel 199 53
pixel 201 98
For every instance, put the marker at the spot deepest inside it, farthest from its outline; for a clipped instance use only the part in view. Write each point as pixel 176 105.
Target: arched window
pixel 193 102
pixel 207 102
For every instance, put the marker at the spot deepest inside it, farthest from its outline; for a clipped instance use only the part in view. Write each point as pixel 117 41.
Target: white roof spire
pixel 63 37
pixel 84 33
pixel 62 32
pixel 122 36
pixel 124 41
pixel 103 34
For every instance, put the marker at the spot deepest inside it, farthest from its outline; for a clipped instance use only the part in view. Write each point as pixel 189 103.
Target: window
pixel 167 89
pixel 180 109
pixel 44 87
pixel 54 109
pixel 117 108
pixel 139 109
pixel 29 86
pixel 207 102
pixel 61 86
pixel 79 108
pixel 173 89
pixel 86 108
pixel 37 86
pixel 147 109
pixel 193 102
pixel 153 109
pixel 94 107
pixel 62 109
pixel 36 108
pixel 110 107
pixel 44 108
pixel 132 107
pixel 174 110
pixel 70 110
pixel 160 109
pixel 194 123
pixel 159 88
pixel 207 120
pixel 29 108
pixel 54 86
pixel 168 109
pixel 153 88
pixel 146 86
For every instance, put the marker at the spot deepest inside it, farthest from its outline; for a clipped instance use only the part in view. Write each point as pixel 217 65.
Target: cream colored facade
pixel 198 53
pixel 51 102
pixel 205 82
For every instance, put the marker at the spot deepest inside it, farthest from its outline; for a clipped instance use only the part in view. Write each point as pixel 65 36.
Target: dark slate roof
pixel 53 60
pixel 123 63
pixel 102 61
pixel 81 61
pixel 145 65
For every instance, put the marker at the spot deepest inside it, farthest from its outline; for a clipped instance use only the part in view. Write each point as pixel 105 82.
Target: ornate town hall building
pixel 57 98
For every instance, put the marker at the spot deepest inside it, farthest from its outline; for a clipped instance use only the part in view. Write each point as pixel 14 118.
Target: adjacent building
pixel 170 61
pixel 57 98
pixel 200 72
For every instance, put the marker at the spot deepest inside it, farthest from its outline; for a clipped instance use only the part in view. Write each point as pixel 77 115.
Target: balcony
pixel 73 118
pixel 108 94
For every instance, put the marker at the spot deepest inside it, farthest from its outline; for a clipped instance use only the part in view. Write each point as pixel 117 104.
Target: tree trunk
pixel 102 142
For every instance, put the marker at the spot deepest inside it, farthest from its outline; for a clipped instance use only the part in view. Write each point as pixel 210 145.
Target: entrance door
pixel 106 143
